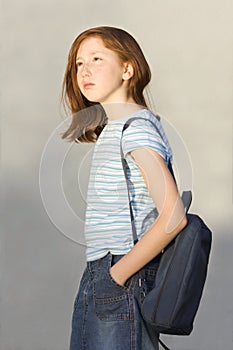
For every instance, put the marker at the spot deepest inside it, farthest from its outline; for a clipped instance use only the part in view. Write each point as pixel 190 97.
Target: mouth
pixel 88 85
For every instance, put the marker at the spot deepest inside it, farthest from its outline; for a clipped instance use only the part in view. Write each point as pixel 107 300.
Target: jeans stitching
pixel 122 310
pixel 132 318
pixel 85 293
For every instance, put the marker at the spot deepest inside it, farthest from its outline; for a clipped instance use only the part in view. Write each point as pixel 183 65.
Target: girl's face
pixel 101 76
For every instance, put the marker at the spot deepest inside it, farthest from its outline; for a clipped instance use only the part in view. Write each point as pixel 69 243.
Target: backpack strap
pixel 163 345
pixel 186 195
pixel 127 124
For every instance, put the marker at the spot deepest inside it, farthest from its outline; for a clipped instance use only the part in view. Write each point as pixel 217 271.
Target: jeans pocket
pixel 111 299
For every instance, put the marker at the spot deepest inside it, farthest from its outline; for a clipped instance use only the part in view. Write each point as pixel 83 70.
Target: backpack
pixel 171 306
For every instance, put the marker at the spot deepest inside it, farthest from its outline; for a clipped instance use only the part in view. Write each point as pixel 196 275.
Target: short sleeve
pixel 142 134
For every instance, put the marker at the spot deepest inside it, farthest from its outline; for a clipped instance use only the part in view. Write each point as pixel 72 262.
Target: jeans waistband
pixel 106 260
pixel 112 259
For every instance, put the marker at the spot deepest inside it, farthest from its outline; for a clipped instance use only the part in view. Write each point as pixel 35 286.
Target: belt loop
pixel 89 266
pixel 109 260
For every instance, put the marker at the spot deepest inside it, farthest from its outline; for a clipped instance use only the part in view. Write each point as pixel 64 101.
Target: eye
pixel 79 64
pixel 95 59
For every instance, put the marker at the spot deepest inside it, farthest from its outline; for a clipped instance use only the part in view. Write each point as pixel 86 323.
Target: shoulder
pixel 143 124
pixel 143 117
pixel 144 121
pixel 144 130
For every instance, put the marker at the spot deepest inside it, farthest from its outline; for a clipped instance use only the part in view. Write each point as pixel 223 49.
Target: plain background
pixel 189 47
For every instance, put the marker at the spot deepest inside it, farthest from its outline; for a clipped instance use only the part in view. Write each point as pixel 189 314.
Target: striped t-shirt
pixel 107 223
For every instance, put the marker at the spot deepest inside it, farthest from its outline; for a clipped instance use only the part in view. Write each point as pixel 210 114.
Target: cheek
pixel 79 79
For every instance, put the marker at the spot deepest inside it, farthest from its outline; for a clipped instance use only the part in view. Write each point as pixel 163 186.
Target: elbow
pixel 180 225
pixel 177 226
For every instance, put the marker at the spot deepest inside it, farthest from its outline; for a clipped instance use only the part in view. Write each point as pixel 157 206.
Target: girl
pixel 108 72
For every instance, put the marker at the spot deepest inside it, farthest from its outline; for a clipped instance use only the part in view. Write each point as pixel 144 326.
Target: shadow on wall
pixel 41 273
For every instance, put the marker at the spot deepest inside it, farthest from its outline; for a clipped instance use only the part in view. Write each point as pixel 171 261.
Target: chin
pixel 92 98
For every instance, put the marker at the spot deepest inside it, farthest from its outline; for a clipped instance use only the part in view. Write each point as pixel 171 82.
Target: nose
pixel 86 70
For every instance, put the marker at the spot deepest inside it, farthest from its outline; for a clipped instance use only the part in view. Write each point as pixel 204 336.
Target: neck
pixel 119 110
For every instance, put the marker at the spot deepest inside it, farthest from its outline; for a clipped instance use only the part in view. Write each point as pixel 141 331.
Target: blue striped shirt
pixel 107 222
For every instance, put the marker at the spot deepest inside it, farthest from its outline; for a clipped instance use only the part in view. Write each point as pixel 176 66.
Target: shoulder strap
pixel 163 344
pixel 186 195
pixel 127 124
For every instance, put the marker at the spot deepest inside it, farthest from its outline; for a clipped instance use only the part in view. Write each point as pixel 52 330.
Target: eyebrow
pixel 91 53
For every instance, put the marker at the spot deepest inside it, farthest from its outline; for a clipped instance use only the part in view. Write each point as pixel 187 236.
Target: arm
pixel 170 221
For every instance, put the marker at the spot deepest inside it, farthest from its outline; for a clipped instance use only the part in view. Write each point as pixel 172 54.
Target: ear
pixel 128 71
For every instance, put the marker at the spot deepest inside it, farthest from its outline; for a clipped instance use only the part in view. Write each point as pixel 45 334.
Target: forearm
pixel 151 244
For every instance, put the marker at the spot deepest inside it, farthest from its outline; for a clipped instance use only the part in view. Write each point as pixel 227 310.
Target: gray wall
pixel 189 47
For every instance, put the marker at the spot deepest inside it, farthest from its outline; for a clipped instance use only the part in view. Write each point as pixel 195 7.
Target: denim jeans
pixel 107 316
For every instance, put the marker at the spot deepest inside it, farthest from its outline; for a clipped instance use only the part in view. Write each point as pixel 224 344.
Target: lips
pixel 88 85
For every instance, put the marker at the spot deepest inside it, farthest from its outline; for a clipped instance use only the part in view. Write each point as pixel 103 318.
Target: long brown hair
pixel 87 123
